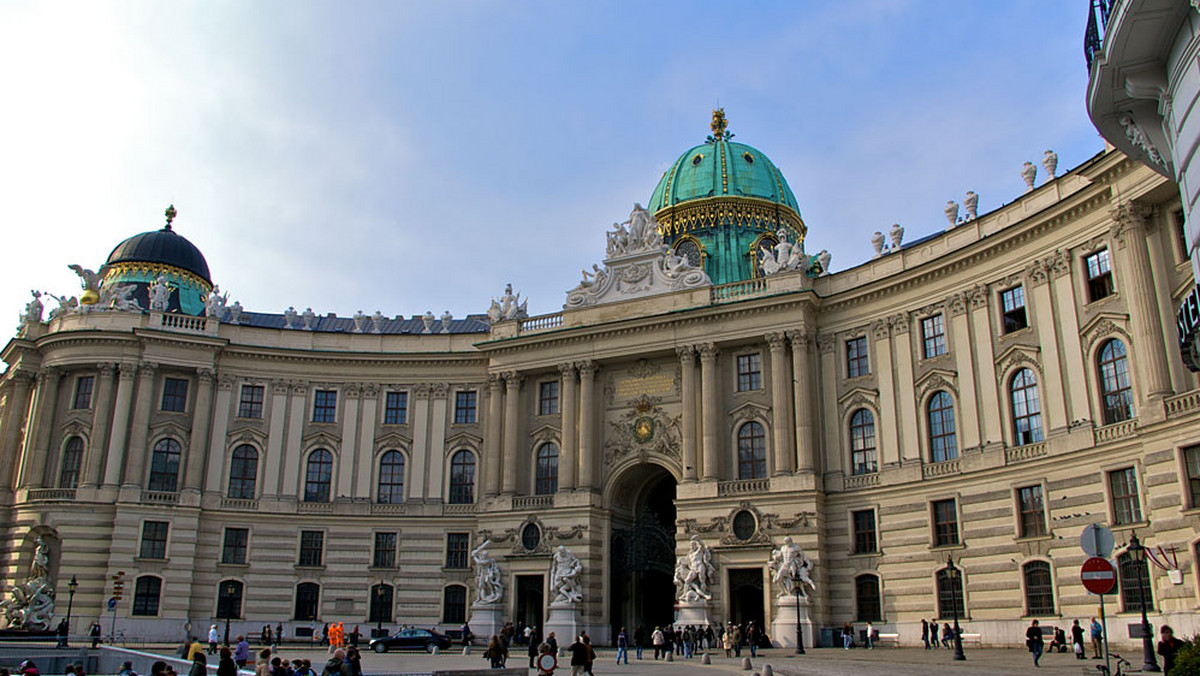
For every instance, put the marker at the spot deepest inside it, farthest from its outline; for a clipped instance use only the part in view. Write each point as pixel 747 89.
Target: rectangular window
pixel 458 546
pixel 154 540
pixel 749 372
pixel 864 532
pixel 1099 275
pixel 1191 462
pixel 1033 511
pixel 83 392
pixel 464 407
pixel 234 549
pixel 325 406
pixel 1013 303
pixel 933 330
pixel 856 357
pixel 1127 508
pixel 250 405
pixel 312 547
pixel 146 593
pixel 174 395
pixel 548 398
pixel 945 523
pixel 395 408
pixel 385 551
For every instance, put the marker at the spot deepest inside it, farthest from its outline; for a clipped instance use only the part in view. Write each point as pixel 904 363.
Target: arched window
pixel 688 249
pixel 229 600
pixel 308 597
pixel 391 478
pixel 381 603
pixel 462 478
pixel 1026 408
pixel 146 592
pixel 752 451
pixel 867 599
pixel 454 604
pixel 546 481
pixel 1135 584
pixel 243 472
pixel 862 442
pixel 164 466
pixel 68 474
pixel 950 594
pixel 318 477
pixel 1114 383
pixel 942 443
pixel 1039 590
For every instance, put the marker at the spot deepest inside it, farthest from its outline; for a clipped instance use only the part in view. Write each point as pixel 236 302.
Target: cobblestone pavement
pixel 821 661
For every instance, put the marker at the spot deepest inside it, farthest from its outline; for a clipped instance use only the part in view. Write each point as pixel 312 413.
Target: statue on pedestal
pixel 897 235
pixel 489 587
pixel 509 306
pixel 310 319
pixel 33 309
pixel 790 568
pixel 31 604
pixel 90 282
pixel 290 316
pixel 360 321
pixel 214 305
pixel 693 573
pixel 564 577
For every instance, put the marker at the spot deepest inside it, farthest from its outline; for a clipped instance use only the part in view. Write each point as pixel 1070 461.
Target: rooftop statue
pixel 310 319
pixel 823 260
pixel 446 319
pixel 214 305
pixel 508 307
pixel 118 298
pixel 160 294
pixel 784 256
pixel 290 317
pixel 877 241
pixel 791 569
pixel 66 305
pixel 427 320
pixel 235 312
pixel 90 282
pixel 489 586
pixel 897 236
pixel 564 576
pixel 30 605
pixel 33 309
pixel 360 321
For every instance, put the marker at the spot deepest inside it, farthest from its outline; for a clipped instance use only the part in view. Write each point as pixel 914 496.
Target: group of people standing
pixel 930 634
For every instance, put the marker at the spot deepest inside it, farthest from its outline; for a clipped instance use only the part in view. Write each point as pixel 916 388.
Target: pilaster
pixel 512 411
pixel 687 367
pixel 491 441
pixel 587 427
pixel 101 416
pixel 888 429
pixel 135 462
pixel 37 437
pixel 780 406
pixel 1149 351
pixel 710 405
pixel 802 401
pixel 197 451
pixel 217 456
pixel 569 459
pixel 115 458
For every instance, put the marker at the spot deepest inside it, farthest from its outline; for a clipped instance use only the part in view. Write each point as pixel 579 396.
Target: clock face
pixel 643 429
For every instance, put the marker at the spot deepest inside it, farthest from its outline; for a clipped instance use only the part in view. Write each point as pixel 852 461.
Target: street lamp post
pixel 799 625
pixel 1137 553
pixel 954 574
pixel 230 590
pixel 379 609
pixel 71 587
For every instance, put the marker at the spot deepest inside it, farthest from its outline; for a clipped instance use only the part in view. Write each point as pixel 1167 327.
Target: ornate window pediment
pixel 750 411
pixel 1104 325
pixel 858 397
pixel 320 438
pixel 392 440
pixel 936 379
pixel 1016 355
pixel 168 428
pixel 544 434
pixel 463 439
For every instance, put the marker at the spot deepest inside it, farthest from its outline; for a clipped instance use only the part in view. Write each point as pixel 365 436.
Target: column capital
pixel 1131 214
pixel 351 390
pixel 881 329
pixel 22 377
pixel 128 371
pixel 708 352
pixel 687 354
pixel 206 376
pixel 370 390
pixel 106 368
pixel 587 368
pixel 899 323
pixel 48 374
pixel 148 369
pixel 1059 263
pixel 298 388
pixel 567 369
pixel 775 340
pixel 225 381
pixel 826 342
pixel 421 391
pixel 958 303
pixel 801 339
pixel 513 380
pixel 495 382
pixel 439 390
pixel 979 295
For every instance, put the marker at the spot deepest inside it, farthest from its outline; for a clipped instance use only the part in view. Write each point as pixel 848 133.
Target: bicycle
pixel 115 637
pixel 1104 670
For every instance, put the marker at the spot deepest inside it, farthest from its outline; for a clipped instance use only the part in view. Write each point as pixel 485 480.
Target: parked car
pixel 411 639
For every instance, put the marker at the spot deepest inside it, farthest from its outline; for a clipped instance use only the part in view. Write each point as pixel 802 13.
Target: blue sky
pixel 417 156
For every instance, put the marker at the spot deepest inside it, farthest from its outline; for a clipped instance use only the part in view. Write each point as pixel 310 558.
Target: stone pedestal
pixel 692 613
pixel 787 615
pixel 486 620
pixel 564 622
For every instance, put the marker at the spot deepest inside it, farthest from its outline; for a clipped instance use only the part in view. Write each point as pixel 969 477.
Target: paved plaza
pixel 823 661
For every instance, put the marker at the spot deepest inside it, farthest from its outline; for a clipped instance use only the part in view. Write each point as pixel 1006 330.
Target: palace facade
pixel 980 395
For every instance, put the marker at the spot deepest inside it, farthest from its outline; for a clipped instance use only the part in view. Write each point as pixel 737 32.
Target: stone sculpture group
pixel 564 577
pixel 508 307
pixel 489 586
pixel 791 569
pixel 30 605
pixel 694 573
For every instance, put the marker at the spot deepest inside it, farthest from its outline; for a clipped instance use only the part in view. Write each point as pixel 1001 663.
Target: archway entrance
pixel 746 596
pixel 643 550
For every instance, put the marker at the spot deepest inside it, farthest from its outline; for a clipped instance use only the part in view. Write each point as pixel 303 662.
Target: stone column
pixel 1054 406
pixel 568 459
pixel 837 445
pixel 1150 347
pixel 960 348
pixel 115 458
pixel 135 464
pixel 887 427
pixel 1059 266
pixel 276 430
pixel 435 470
pixel 197 451
pixel 41 424
pixel 421 454
pixel 364 459
pixel 906 396
pixel 218 457
pixel 587 425
pixel 512 411
pixel 14 414
pixel 985 366
pixel 687 366
pixel 101 415
pixel 710 410
pixel 780 405
pixel 293 454
pixel 802 403
pixel 491 442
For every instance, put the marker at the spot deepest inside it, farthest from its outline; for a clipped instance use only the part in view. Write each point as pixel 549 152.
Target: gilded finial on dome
pixel 170 214
pixel 718 126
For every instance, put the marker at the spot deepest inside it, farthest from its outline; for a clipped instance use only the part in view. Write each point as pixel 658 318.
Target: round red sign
pixel 1099 576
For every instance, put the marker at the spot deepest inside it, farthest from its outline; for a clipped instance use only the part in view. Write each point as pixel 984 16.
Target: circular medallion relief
pixel 531 536
pixel 744 525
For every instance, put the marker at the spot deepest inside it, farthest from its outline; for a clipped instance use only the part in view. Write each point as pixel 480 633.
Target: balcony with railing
pixel 532 501
pixel 159 498
pixel 1093 34
pixel 51 495
pixel 942 468
pixel 743 487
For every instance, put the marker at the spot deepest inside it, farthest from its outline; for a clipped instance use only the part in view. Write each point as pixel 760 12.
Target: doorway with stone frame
pixel 642 554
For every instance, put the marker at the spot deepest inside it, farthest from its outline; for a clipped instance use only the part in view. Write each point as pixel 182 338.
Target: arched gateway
pixel 641 500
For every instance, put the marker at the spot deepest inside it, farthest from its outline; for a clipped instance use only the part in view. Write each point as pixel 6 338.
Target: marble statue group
pixel 489 586
pixel 791 569
pixel 694 573
pixel 564 577
pixel 30 605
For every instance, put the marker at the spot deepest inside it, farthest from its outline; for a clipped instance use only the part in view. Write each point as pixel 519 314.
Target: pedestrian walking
pixel 1097 636
pixel 1168 647
pixel 933 633
pixel 199 664
pixel 241 653
pixel 591 654
pixel 727 641
pixel 579 656
pixel 622 646
pixel 847 635
pixel 1035 642
pixel 1077 641
pixel 658 639
pixel 752 639
pixel 532 650
pixel 226 666
pixel 213 638
pixel 925 633
pixel 870 636
pixel 94 632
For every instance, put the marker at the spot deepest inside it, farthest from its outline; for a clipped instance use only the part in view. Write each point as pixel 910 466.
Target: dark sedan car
pixel 411 639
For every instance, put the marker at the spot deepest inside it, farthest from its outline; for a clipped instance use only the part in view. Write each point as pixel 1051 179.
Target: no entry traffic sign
pixel 1099 576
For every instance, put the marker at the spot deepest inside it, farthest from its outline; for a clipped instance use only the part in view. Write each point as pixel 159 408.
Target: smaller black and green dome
pixel 142 258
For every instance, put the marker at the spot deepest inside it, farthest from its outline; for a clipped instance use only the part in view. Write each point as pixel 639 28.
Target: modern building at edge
pixel 979 394
pixel 1143 59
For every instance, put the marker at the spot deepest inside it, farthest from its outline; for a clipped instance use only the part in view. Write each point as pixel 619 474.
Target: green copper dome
pixel 722 168
pixel 721 203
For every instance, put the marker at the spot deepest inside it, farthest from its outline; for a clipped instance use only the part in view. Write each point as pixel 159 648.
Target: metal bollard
pixel 746 666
